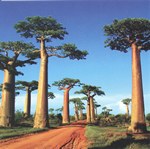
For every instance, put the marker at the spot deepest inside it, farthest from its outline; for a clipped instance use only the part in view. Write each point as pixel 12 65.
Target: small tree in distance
pixel 127 102
pixel 66 84
pixel 29 87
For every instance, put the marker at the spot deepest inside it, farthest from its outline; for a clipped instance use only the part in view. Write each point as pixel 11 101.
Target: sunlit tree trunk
pixel 8 100
pixel 41 115
pixel 88 115
pixel 127 110
pixel 66 118
pixel 137 116
pixel 76 112
pixel 27 105
pixel 92 110
pixel 80 114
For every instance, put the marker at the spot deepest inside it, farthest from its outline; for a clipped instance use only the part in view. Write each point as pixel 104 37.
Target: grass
pixel 18 131
pixel 115 138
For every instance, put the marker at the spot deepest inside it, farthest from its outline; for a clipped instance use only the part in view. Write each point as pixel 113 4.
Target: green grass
pixel 115 138
pixel 18 131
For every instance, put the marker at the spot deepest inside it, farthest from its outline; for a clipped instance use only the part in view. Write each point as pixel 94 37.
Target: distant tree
pixel 51 110
pixel 127 102
pixel 10 56
pixel 59 110
pixel 132 33
pixel 66 84
pixel 96 106
pixel 106 111
pixel 148 118
pixel 75 101
pixel 90 91
pixel 28 87
pixel 44 29
pixel 81 108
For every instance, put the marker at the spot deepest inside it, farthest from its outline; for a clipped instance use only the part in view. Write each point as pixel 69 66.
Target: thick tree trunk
pixel 92 110
pixel 27 105
pixel 80 114
pixel 41 115
pixel 88 115
pixel 138 124
pixel 8 100
pixel 127 110
pixel 66 118
pixel 76 113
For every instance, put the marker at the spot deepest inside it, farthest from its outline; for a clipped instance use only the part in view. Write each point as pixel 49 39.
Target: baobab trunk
pixel 27 105
pixel 8 100
pixel 66 118
pixel 127 110
pixel 81 114
pixel 138 124
pixel 41 114
pixel 88 115
pixel 76 112
pixel 92 110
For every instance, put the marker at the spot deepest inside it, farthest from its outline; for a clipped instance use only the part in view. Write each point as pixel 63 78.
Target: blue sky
pixel 84 21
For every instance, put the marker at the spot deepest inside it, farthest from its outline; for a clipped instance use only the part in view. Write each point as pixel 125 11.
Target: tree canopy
pixel 126 101
pixel 90 90
pixel 10 52
pixel 67 83
pixel 122 33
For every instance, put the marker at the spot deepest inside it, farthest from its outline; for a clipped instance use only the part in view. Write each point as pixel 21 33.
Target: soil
pixel 64 137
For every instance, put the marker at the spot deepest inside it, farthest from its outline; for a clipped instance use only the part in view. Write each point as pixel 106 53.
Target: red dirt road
pixel 65 137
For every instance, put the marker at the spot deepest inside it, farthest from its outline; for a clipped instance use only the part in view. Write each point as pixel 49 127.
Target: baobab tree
pixel 81 108
pixel 90 91
pixel 96 106
pixel 66 84
pixel 10 53
pixel 28 87
pixel 132 33
pixel 127 102
pixel 44 29
pixel 75 101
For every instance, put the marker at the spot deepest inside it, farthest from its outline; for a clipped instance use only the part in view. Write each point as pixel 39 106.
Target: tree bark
pixel 41 115
pixel 76 112
pixel 138 124
pixel 7 114
pixel 88 115
pixel 27 105
pixel 127 110
pixel 92 110
pixel 81 114
pixel 66 118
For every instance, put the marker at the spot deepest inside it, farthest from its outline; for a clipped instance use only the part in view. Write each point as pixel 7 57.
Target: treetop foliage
pixel 67 83
pixel 90 90
pixel 37 26
pixel 67 50
pixel 126 101
pixel 23 85
pixel 10 52
pixel 51 95
pixel 122 33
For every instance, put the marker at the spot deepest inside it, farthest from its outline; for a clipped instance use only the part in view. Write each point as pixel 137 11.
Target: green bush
pixel 18 116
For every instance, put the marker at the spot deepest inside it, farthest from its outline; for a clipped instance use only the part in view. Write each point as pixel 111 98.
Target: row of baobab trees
pixel 121 35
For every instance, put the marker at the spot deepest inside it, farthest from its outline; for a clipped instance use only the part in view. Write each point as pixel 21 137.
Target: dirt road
pixel 65 137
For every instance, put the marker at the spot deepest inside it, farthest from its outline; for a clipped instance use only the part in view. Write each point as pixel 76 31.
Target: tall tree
pixel 81 108
pixel 66 84
pixel 132 33
pixel 28 87
pixel 10 55
pixel 44 29
pixel 127 102
pixel 75 101
pixel 90 91
pixel 96 106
